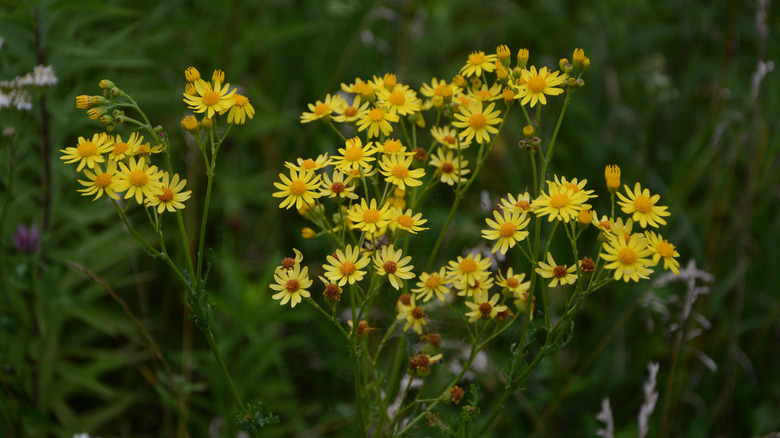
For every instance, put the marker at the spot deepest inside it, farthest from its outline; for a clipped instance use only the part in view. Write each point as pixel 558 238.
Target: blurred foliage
pixel 671 97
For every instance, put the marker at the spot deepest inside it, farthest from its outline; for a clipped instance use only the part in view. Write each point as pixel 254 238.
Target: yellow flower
pixel 345 266
pixel 559 273
pixel 309 164
pixel 629 259
pixel 407 221
pixel 240 110
pixel 430 285
pixel 469 269
pixel 574 185
pixel 339 187
pixel 361 88
pixel 448 136
pixel 292 285
pixel 172 197
pixel 536 84
pixel 514 283
pixel 368 217
pixel 323 110
pixel 521 203
pixel 485 94
pixel 388 262
pixel 355 155
pixel 414 316
pixel 402 100
pixel 122 149
pixel 643 206
pixel 376 120
pixel 612 177
pixel 298 190
pixel 507 229
pixel 100 182
pixel 477 62
pixel 396 170
pixel 210 99
pixel 190 123
pixel 662 249
pixel 392 146
pixel 562 203
pixel 484 308
pixel 452 167
pixel 139 179
pixel 478 124
pixel 351 113
pixel 88 152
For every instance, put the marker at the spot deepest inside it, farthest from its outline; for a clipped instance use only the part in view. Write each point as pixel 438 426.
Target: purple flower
pixel 26 238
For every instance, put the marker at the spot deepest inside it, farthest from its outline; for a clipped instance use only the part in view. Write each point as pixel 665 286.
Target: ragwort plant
pixel 368 199
pixel 134 173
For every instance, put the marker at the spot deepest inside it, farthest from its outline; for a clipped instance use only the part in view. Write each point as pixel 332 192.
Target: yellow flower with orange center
pixel 477 62
pixel 477 123
pixel 560 274
pixel 630 259
pixel 172 197
pixel 377 120
pixel 88 152
pixel 535 85
pixel 298 190
pixel 368 217
pixel 643 206
pixel 323 109
pixel 346 266
pixel 432 284
pixel 507 229
pixel 390 262
pixel 292 285
pixel 396 169
pixel 100 182
pixel 139 180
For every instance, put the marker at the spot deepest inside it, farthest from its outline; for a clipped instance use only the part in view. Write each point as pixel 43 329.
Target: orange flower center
pixel 390 267
pixel 476 58
pixel 120 148
pixel 138 178
pixel 353 154
pixel 468 265
pixel 560 271
pixel 665 249
pixel 376 115
pixel 417 313
pixel 348 268
pixel 166 196
pixel 337 187
pixel 537 84
pixel 559 201
pixel 433 282
pixel 573 187
pixel 297 188
pixel 103 180
pixel 211 98
pixel 627 256
pixel 451 140
pixel 400 171
pixel 507 230
pixel 405 221
pixel 292 285
pixel 391 146
pixel 484 95
pixel 240 100
pixel 477 121
pixel 643 204
pixel 512 282
pixel 397 98
pixel 288 263
pixel 351 111
pixel 321 109
pixel 523 205
pixel 87 149
pixel 447 168
pixel 309 164
pixel 485 308
pixel 371 215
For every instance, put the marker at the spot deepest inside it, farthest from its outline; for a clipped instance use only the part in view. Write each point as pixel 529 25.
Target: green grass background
pixel 668 98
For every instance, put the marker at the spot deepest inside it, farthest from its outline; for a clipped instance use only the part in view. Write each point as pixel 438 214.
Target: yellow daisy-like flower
pixel 309 164
pixel 432 284
pixel 361 88
pixel 507 229
pixel 172 197
pixel 351 113
pixel 368 217
pixel 414 316
pixel 643 206
pixel 602 224
pixel 662 249
pixel 521 203
pixel 355 155
pixel 477 124
pixel 484 308
pixel 452 167
pixel 323 110
pixel 389 262
pixel 124 149
pixel 481 284
pixel 477 62
pixel 298 190
pixel 392 146
pixel 290 262
pixel 100 182
pixel 376 120
pixel 536 84
pixel 139 180
pixel 407 221
pixel 485 94
pixel 448 136
pixel 472 267
pixel 562 203
pixel 402 100
pixel 574 185
pixel 396 170
pixel 629 259
pixel 560 274
pixel 345 266
pixel 292 285
pixel 240 110
pixel 339 187
pixel 439 87
pixel 146 149
pixel 514 282
pixel 210 99
pixel 88 152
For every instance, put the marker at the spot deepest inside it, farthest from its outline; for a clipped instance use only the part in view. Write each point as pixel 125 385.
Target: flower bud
pixel 191 74
pixel 562 63
pixel 190 123
pixel 522 58
pixel 106 84
pixel 612 177
pixel 307 233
